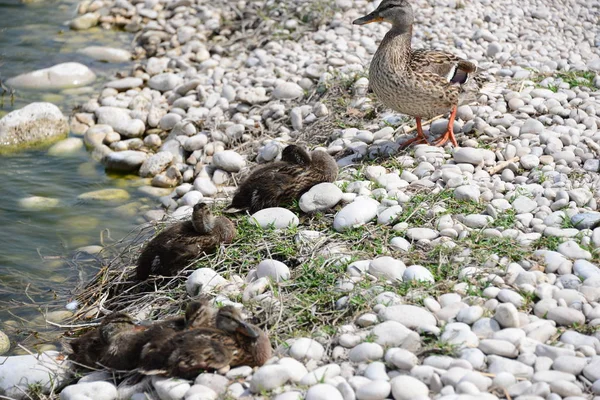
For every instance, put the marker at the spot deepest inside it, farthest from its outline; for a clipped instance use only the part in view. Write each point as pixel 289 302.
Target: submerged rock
pixel 38 203
pixel 32 124
pixel 107 54
pixel 105 195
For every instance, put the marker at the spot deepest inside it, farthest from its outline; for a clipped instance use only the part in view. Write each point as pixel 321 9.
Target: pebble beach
pixel 421 273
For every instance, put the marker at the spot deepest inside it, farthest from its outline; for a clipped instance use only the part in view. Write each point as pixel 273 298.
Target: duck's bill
pixel 367 19
pixel 247 330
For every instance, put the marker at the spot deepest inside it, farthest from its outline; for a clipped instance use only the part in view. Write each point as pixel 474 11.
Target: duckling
pixel 198 314
pixel 124 345
pixel 420 83
pixel 182 242
pixel 281 182
pixel 88 349
pixel 230 343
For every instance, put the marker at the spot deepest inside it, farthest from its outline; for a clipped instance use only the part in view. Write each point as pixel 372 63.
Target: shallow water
pixel 35 244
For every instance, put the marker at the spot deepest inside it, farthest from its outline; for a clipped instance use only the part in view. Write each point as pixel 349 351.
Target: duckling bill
pixel 281 182
pixel 179 244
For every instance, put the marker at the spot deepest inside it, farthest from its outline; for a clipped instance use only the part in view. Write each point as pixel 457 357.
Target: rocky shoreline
pixel 480 277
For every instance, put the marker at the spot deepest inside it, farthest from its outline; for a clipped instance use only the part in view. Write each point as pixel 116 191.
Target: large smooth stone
pixel 19 372
pixel 355 214
pixel 32 124
pixel 124 161
pixel 278 217
pixel 120 120
pixel 107 54
pixel 60 76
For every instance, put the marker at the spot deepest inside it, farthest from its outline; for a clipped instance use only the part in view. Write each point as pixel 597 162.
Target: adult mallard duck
pixel 281 182
pixel 232 342
pixel 420 83
pixel 182 242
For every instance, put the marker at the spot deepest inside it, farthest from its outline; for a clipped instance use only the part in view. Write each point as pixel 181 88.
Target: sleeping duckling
pixel 182 242
pixel 231 343
pixel 198 314
pixel 124 345
pixel 284 181
pixel 88 349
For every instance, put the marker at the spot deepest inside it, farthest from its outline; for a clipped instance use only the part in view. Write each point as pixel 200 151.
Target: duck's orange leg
pixel 449 135
pixel 420 138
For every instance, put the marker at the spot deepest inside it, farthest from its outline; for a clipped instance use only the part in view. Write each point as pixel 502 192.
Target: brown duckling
pixel 284 181
pixel 231 343
pixel 124 345
pixel 182 242
pixel 198 314
pixel 88 349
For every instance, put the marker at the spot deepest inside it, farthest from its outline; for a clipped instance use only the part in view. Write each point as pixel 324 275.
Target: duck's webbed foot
pixel 449 134
pixel 419 139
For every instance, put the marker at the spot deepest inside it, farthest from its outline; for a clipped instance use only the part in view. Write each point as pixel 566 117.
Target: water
pixel 34 245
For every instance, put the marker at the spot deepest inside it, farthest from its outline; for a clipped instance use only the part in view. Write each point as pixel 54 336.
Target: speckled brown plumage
pixel 91 348
pixel 198 314
pixel 177 245
pixel 420 83
pixel 281 182
pixel 232 342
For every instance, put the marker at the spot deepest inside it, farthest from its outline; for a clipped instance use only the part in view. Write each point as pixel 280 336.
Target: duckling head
pixel 202 218
pixel 114 324
pixel 294 154
pixel 325 165
pixel 397 12
pixel 198 313
pixel 229 319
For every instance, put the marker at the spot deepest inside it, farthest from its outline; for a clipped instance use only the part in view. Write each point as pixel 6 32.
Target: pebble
pixel 228 160
pixel 320 197
pixel 418 273
pixel 410 316
pixel 90 390
pixel 288 90
pixel 277 217
pixel 323 391
pixel 273 269
pixel 355 214
pixel 408 388
pixel 305 348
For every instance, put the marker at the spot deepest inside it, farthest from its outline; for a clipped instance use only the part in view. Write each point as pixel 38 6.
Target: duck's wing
pixel 454 69
pixel 263 188
pixel 199 352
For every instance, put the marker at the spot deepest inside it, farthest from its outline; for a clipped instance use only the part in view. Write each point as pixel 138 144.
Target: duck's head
pixel 229 319
pixel 399 13
pixel 202 218
pixel 294 154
